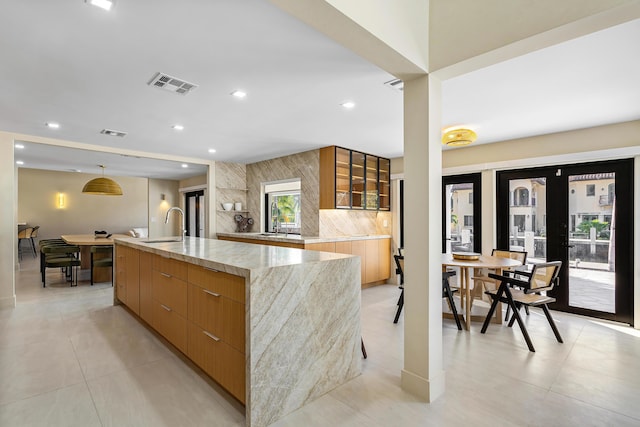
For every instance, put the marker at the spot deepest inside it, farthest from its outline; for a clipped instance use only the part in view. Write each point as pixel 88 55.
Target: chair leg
pixel 91 269
pixel 494 304
pixel 400 305
pixel 552 323
pixel 364 350
pixel 523 328
pixel 454 310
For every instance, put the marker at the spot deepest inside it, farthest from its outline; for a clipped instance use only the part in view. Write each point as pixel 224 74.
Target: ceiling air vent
pixel 172 84
pixel 396 84
pixel 112 132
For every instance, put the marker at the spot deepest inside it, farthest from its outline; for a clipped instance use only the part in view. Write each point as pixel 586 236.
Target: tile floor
pixel 68 357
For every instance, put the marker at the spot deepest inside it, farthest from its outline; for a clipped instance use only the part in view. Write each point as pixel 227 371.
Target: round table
pixel 484 261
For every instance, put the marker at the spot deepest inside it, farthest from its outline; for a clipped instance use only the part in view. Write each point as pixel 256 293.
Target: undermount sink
pixel 160 240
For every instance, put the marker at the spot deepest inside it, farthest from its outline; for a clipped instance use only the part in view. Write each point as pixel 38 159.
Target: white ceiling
pixel 87 69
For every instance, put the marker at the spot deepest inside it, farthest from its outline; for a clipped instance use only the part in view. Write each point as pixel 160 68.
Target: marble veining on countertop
pixel 231 257
pixel 296 238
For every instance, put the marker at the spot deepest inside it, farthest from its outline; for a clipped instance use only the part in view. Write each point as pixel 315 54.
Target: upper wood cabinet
pixel 353 180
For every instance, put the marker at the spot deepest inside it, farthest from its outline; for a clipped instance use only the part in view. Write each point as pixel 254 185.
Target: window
pixel 521 197
pixel 611 190
pixel 282 207
pixel 591 190
pixel 468 220
pixel 519 222
pixel 471 198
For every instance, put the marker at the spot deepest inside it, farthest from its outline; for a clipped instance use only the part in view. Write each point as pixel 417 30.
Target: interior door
pixel 194 202
pixel 581 215
pixel 461 213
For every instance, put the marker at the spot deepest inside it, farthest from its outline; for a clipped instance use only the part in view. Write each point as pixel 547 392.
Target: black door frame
pixel 476 180
pixel 187 212
pixel 557 227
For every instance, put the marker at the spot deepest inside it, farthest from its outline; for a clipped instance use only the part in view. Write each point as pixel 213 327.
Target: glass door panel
pixel 371 183
pixel 357 180
pixel 343 178
pixel 527 217
pixel 461 213
pixel 591 222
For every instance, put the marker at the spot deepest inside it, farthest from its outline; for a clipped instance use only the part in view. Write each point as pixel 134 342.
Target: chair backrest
pixel 34 232
pixel 544 276
pixel 517 255
pixel 401 251
pixel 25 233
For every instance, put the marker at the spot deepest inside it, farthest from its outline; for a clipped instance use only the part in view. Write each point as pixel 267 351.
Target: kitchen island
pixel 277 327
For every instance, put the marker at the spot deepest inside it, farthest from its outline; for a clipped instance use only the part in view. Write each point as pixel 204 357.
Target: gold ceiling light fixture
pixel 458 137
pixel 102 186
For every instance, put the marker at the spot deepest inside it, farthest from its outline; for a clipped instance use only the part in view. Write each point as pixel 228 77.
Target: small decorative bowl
pixel 466 256
pixel 227 206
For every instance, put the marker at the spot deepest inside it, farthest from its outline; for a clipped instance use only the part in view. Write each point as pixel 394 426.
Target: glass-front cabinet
pixel 353 180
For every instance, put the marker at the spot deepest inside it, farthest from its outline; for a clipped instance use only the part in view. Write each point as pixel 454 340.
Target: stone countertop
pixel 231 257
pixel 295 238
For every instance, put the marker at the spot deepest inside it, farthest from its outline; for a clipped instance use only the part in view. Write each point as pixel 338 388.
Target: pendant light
pixel 102 186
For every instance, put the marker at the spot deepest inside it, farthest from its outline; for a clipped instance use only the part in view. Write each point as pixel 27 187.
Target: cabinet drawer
pixel 170 266
pixel 223 317
pixel 170 291
pixel 220 361
pixel 225 284
pixel 170 325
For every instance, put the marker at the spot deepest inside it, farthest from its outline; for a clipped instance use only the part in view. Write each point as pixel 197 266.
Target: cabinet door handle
pixel 165 307
pixel 166 275
pixel 213 337
pixel 211 293
pixel 212 269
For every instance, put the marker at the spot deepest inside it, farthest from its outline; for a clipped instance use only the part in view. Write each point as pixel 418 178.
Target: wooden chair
pixel 105 260
pixel 483 282
pixel 25 234
pixel 516 293
pixel 447 292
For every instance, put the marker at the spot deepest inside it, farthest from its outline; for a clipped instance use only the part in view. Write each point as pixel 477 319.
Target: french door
pixel 582 215
pixel 194 221
pixel 461 209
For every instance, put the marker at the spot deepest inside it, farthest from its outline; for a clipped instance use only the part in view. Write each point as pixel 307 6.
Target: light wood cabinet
pixel 323 247
pixel 217 326
pixel 169 300
pixel 353 180
pixel 146 302
pixel 127 277
pixel 198 310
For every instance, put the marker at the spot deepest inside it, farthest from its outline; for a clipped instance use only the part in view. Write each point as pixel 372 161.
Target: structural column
pixel 8 224
pixel 423 373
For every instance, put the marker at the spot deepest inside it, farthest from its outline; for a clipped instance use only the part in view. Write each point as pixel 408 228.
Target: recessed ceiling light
pixel 239 93
pixel 212 150
pixel 52 125
pixel 20 146
pixel 19 162
pixel 178 127
pixel 184 165
pixel 348 104
pixel 102 4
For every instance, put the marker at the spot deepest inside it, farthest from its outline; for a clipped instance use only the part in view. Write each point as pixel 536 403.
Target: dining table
pixel 85 241
pixel 466 265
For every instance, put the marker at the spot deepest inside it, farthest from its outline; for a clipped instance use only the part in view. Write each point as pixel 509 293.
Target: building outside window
pixel 591 190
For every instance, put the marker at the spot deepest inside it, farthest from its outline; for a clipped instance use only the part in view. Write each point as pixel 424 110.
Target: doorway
pixel 582 215
pixel 461 213
pixel 194 221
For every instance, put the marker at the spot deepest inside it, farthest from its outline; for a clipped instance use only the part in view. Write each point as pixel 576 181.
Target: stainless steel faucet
pixel 184 228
